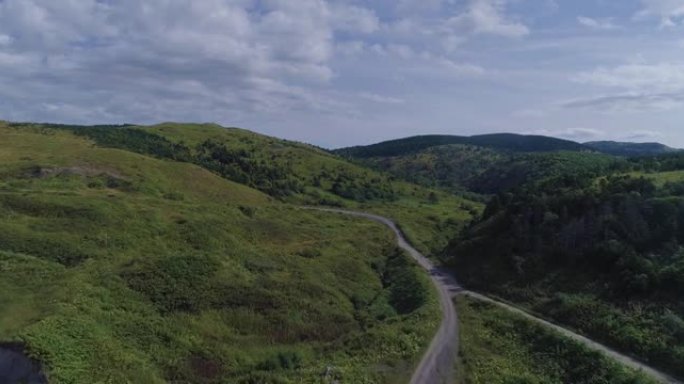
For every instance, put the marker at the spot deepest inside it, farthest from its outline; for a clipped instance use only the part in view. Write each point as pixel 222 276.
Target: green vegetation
pixel 470 169
pixel 604 257
pixel 170 273
pixel 499 347
pixel 500 141
pixel 630 149
pixel 176 253
pixel 294 173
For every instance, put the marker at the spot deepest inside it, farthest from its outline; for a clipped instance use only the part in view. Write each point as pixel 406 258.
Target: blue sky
pixel 343 72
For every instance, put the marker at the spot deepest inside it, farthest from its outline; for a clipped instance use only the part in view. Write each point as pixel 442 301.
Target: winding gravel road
pixel 437 365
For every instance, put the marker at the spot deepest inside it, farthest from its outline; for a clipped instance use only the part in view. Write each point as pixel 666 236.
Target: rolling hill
pixel 133 255
pixel 484 164
pixel 500 141
pixel 293 173
pixel 630 149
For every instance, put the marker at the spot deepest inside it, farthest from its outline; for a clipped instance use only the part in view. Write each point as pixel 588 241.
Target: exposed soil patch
pixel 16 367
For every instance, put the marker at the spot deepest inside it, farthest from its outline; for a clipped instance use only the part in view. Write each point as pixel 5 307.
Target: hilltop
pixel 499 141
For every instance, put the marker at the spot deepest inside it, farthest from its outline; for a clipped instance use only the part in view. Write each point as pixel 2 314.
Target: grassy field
pixel 499 347
pixel 168 272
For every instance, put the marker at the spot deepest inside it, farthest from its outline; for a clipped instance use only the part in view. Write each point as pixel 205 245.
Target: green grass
pixel 499 347
pixel 119 267
pixel 661 178
pixel 429 217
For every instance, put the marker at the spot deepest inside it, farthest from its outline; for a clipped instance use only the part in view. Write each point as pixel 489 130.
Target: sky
pixel 345 72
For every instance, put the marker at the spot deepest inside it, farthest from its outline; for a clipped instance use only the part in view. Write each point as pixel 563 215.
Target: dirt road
pixel 437 365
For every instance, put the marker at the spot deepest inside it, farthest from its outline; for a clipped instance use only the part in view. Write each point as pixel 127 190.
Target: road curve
pixel 437 364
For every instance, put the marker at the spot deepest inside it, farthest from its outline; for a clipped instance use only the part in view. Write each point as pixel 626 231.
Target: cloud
pixel 670 12
pixel 662 76
pixel 221 58
pixel 642 87
pixel 643 135
pixel 381 99
pixel 597 24
pixel 489 17
pixel 626 102
pixel 579 134
pixel 354 19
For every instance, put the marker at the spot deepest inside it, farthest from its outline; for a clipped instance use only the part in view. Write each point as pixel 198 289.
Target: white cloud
pixel 354 19
pixel 489 17
pixel 670 12
pixel 598 24
pixel 629 102
pixel 643 135
pixel 381 99
pixel 579 134
pixel 662 77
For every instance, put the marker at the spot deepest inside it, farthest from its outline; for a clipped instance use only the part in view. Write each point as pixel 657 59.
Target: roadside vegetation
pixel 604 257
pixel 499 347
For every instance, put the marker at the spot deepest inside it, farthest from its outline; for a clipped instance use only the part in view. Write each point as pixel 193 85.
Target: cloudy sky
pixel 342 72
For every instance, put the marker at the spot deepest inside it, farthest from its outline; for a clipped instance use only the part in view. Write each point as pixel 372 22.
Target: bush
pixel 181 283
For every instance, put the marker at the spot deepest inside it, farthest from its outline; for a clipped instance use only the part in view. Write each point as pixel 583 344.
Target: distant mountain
pixel 501 141
pixel 630 149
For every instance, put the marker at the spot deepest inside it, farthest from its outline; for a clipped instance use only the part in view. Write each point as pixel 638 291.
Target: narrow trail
pixel 437 365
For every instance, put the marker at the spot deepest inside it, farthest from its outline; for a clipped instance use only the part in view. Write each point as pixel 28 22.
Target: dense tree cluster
pixel 618 240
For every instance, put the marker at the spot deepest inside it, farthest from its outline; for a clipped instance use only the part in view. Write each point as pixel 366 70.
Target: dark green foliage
pixel 499 347
pixel 350 187
pixel 281 361
pixel 502 141
pixel 175 283
pixel 131 139
pixel 466 168
pixel 618 241
pixel 630 149
pixel 243 167
pixel 550 172
pixel 407 290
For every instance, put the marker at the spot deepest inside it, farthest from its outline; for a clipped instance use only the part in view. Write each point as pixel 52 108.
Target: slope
pixel 169 272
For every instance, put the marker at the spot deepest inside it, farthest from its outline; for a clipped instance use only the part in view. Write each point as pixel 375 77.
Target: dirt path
pixel 437 364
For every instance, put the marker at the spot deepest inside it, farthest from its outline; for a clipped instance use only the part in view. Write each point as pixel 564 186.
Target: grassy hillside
pixel 307 175
pixel 499 347
pixel 291 172
pixel 168 272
